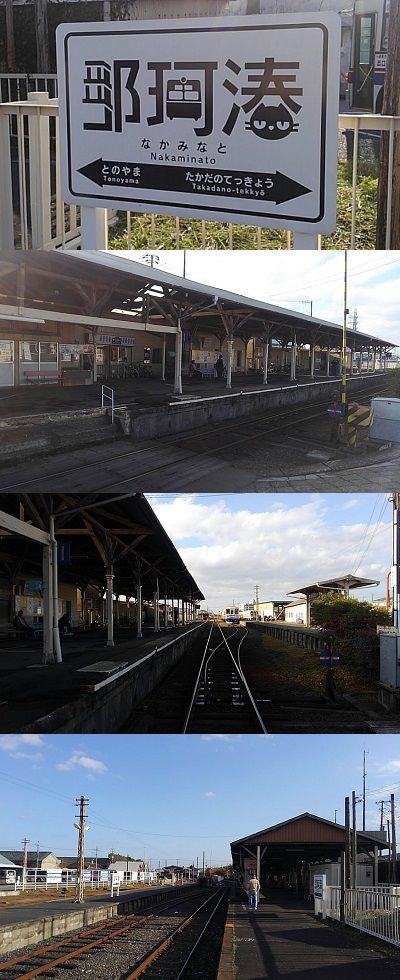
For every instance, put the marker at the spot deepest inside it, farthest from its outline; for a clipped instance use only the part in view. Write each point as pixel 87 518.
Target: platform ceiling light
pixel 20 319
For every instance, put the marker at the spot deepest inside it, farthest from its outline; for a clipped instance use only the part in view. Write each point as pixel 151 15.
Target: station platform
pixel 93 677
pixel 11 915
pixel 143 392
pixel 30 924
pixel 283 939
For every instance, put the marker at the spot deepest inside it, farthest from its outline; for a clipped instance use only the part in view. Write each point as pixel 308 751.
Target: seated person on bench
pixel 194 372
pixel 21 624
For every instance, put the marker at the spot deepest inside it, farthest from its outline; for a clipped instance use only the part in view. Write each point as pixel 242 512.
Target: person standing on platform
pixel 219 367
pixel 253 891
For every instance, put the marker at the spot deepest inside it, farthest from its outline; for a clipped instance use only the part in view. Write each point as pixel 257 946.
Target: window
pixel 48 353
pixel 147 355
pixel 29 352
pixel 6 351
pixel 156 355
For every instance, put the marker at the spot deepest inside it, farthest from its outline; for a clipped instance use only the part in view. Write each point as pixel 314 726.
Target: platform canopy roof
pixel 304 837
pixel 342 583
pixel 107 290
pixel 121 530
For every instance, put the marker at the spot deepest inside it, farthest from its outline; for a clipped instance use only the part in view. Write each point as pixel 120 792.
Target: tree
pixel 353 625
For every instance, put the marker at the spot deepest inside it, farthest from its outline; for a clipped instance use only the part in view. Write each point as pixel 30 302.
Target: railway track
pixel 143 938
pixel 268 424
pixel 212 692
pixel 221 696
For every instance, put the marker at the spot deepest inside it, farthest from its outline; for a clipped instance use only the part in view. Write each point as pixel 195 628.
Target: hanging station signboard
pixel 231 119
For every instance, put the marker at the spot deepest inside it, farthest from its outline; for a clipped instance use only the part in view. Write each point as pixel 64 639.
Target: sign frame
pixel 195 204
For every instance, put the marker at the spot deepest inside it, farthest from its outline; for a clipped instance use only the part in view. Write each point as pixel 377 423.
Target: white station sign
pixel 231 119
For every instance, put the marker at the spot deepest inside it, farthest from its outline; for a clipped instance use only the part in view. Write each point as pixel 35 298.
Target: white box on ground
pixel 231 119
pixel 385 419
pixel 390 658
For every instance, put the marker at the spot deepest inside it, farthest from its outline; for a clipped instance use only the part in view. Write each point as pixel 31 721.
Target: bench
pixel 44 377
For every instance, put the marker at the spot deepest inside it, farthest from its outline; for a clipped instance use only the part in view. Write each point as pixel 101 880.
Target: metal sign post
pixel 231 119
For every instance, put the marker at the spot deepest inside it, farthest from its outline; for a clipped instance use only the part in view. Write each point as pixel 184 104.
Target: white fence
pixel 57 880
pixel 372 910
pixel 15 88
pixel 33 214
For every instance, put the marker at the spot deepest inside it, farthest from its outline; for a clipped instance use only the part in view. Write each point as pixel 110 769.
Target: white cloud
pixel 392 765
pixel 14 743
pixel 210 793
pixel 280 546
pixel 78 760
pixel 349 504
pixel 220 738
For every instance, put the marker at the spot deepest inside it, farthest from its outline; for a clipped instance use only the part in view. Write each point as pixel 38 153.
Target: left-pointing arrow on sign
pixel 276 187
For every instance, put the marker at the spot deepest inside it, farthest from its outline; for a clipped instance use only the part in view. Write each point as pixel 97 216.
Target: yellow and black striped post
pixel 358 422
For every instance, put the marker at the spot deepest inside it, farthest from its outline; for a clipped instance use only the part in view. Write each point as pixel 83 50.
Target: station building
pixel 288 854
pixel 88 316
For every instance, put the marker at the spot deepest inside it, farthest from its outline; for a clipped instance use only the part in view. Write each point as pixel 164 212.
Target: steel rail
pixel 166 943
pixel 7 964
pixel 107 924
pixel 74 953
pixel 197 684
pixel 180 437
pixel 201 674
pixel 244 681
pixel 199 939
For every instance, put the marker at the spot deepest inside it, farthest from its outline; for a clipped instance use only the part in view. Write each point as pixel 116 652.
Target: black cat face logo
pixel 271 122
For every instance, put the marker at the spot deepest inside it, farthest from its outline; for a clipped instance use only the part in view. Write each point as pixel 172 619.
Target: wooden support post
pixel 42 37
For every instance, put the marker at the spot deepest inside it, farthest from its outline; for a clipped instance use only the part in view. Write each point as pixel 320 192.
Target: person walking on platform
pixel 253 891
pixel 219 367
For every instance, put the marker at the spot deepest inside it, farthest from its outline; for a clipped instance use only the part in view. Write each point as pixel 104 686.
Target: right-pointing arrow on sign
pixel 276 187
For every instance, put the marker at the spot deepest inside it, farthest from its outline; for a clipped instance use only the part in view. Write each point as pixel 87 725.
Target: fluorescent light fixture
pixel 20 319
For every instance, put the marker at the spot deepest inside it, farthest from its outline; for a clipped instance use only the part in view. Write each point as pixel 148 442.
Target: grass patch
pixel 291 667
pixel 161 233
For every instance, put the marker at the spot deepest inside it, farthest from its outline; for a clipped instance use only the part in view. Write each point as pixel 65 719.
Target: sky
pixel 232 542
pixel 167 798
pixel 293 279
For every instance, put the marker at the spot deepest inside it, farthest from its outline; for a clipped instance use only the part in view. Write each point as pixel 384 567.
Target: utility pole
pixel 391 107
pixel 364 785
pixel 353 841
pixel 347 841
pixel 37 854
pixel 396 558
pixel 25 862
pixel 381 804
pixel 257 602
pixel 343 394
pixel 42 37
pixel 81 827
pixel 354 799
pixel 394 855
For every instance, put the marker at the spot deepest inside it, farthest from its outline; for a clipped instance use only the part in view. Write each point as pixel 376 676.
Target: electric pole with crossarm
pixel 81 827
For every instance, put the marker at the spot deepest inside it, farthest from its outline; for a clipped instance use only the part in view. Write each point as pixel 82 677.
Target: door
pixel 364 51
